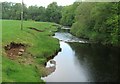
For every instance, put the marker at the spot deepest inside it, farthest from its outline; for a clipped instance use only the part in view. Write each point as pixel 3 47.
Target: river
pixel 80 61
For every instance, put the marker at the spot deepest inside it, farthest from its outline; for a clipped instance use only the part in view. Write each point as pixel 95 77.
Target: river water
pixel 80 61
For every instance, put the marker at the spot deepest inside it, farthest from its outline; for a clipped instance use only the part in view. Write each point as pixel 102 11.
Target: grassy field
pixel 40 46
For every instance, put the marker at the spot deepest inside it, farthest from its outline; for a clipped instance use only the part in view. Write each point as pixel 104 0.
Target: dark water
pixel 80 61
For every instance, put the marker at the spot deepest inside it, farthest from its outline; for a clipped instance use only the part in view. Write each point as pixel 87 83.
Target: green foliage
pixel 97 22
pixel 68 14
pixel 53 12
pixel 36 13
pixel 50 14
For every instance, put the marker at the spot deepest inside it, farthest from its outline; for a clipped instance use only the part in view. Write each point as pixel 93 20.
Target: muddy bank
pixel 13 50
pixel 49 68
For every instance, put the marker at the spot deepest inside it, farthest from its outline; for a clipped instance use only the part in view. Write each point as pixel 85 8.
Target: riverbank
pixel 27 64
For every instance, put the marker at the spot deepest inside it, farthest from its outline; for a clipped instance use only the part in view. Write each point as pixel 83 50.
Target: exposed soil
pixel 14 49
pixel 50 69
pixel 36 29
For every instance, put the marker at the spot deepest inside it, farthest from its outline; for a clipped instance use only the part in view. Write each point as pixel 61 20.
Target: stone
pixel 21 50
pixel 20 53
pixel 52 62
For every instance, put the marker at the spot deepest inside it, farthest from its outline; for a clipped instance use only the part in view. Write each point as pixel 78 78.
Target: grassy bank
pixel 39 46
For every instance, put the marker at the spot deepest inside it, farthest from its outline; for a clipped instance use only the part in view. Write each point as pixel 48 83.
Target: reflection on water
pixel 79 62
pixel 68 67
pixel 100 61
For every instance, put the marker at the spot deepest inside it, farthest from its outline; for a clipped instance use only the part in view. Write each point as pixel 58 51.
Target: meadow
pixel 39 46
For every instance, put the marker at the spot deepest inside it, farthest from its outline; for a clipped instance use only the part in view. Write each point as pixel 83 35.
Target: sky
pixel 42 2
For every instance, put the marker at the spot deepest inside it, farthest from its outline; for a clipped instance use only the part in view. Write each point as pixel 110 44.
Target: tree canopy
pixel 98 22
pixel 13 10
pixel 68 14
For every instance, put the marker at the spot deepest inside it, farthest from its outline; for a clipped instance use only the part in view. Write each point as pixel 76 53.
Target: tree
pixel 83 22
pixel 36 13
pixel 6 10
pixel 68 14
pixel 98 22
pixel 53 12
pixel 13 11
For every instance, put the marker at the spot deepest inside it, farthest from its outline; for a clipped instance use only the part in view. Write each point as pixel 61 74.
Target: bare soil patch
pixel 15 49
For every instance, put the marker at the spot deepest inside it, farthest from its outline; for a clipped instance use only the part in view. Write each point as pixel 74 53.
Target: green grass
pixel 41 45
pixel 14 72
